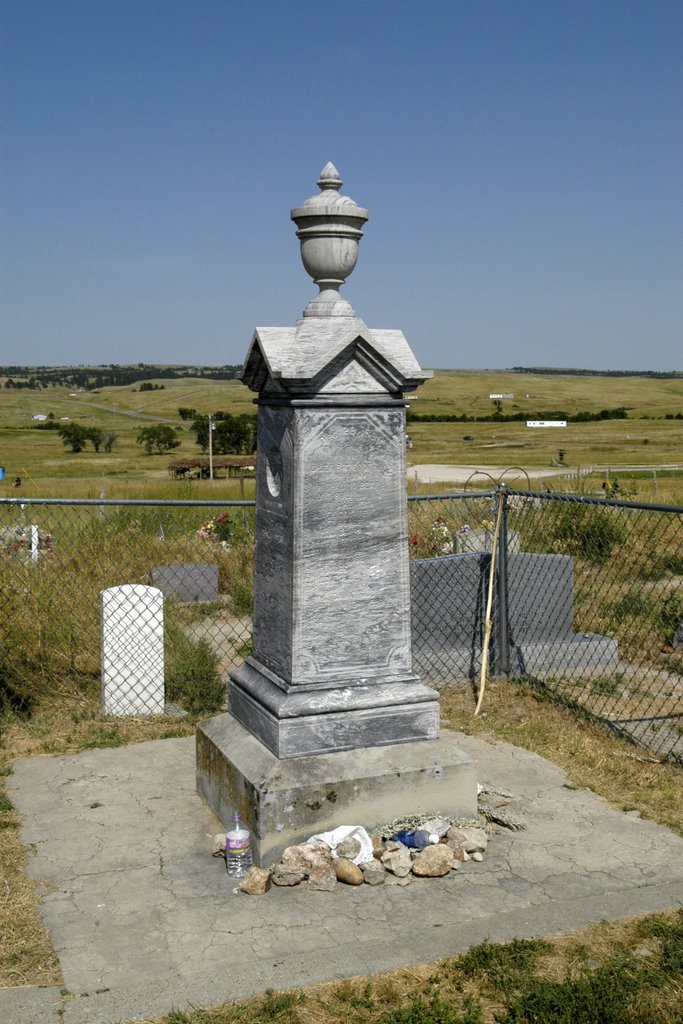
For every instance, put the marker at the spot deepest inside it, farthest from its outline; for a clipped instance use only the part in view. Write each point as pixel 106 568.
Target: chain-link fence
pixel 80 608
pixel 585 601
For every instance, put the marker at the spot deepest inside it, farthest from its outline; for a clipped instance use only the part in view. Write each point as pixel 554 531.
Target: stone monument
pixel 331 670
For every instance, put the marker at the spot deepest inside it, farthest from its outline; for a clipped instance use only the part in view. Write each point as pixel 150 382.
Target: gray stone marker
pixel 187 581
pixel 482 540
pixel 132 650
pixel 448 607
pixel 331 668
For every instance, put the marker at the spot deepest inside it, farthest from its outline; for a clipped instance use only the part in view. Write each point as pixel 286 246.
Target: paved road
pixel 145 920
pixel 116 411
pixel 481 475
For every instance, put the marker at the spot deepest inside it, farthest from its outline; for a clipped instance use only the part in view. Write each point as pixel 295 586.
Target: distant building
pixel 501 395
pixel 546 423
pixel 39 416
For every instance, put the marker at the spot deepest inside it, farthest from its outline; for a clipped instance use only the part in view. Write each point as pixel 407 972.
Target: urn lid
pixel 329 200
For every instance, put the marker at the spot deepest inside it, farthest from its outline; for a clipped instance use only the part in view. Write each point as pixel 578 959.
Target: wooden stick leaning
pixel 489 605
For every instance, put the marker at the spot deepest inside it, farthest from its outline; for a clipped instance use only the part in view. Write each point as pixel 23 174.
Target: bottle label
pixel 238 845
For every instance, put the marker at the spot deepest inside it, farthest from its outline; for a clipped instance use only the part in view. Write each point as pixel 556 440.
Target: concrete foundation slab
pixel 144 920
pixel 286 801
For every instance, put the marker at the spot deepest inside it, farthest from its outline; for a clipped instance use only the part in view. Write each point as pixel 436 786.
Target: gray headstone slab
pixel 187 581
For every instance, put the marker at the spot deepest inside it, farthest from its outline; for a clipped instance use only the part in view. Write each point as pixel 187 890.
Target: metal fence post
pixel 502 650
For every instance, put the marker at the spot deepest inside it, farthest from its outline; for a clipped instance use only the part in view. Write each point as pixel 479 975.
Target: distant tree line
pixel 32 383
pixel 619 413
pixel 567 372
pixel 111 374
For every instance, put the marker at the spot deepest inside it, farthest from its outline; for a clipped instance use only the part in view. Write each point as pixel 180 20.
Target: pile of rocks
pixel 315 864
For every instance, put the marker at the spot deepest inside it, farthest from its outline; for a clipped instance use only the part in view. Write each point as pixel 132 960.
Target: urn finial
pixel 329 178
pixel 329 230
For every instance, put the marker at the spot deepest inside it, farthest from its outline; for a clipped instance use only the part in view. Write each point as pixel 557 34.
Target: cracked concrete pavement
pixel 144 920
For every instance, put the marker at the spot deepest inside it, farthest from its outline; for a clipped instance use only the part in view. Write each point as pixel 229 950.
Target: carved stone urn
pixel 329 231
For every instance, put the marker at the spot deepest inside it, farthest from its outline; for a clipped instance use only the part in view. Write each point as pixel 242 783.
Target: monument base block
pixel 297 721
pixel 286 801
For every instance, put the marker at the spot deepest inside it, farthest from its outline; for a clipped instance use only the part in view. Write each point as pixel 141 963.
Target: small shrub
pixel 435 1010
pixel 587 531
pixel 670 615
pixel 607 687
pixel 192 677
pixel 500 966
pixel 603 996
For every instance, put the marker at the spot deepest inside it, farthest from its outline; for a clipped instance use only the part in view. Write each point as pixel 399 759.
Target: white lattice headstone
pixel 132 650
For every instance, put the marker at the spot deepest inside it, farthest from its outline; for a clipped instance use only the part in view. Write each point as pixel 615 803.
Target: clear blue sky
pixel 522 163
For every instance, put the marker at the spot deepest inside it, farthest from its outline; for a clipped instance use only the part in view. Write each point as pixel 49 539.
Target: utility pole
pixel 212 427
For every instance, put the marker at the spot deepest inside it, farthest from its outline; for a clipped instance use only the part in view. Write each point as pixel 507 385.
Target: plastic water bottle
pixel 417 838
pixel 238 858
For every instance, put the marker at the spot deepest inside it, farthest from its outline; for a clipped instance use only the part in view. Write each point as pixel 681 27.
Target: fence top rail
pixel 148 502
pixel 451 494
pixel 580 499
pixel 576 499
pixel 207 503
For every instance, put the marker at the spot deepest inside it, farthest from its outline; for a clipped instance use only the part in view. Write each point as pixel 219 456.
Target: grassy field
pixel 459 391
pixel 47 469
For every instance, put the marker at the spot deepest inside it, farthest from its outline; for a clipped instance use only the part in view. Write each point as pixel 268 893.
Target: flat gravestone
pixel 132 650
pixel 187 581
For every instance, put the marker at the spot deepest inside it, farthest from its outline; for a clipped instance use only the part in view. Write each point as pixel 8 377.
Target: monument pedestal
pixel 287 801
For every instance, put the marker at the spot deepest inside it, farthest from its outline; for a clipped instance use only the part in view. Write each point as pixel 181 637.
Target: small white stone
pixel 397 861
pixel 470 839
pixel 478 856
pixel 218 845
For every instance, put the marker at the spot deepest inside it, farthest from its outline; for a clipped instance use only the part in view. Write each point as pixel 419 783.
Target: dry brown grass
pixel 26 953
pixel 591 756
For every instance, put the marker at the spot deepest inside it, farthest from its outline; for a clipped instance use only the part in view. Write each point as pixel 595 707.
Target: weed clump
pixel 499 967
pixel 585 531
pixel 192 676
